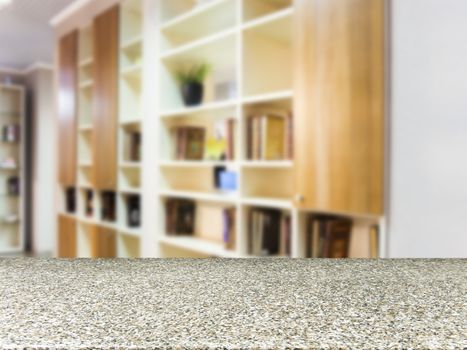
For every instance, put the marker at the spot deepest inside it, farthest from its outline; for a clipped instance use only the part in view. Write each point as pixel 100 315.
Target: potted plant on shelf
pixel 191 83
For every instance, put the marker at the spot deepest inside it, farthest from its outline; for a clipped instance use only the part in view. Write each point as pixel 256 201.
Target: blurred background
pixel 233 128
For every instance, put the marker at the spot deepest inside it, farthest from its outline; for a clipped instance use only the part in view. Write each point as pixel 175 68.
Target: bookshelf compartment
pixel 85 147
pixel 9 236
pixel 131 21
pixel 200 180
pixel 268 231
pixel 268 183
pixel 328 235
pixel 10 102
pixel 131 143
pixel 86 72
pixel 199 138
pixel 268 133
pixel 85 107
pixel 131 55
pixel 108 206
pixel 87 203
pixel 212 223
pixel 130 96
pixel 130 210
pixel 255 9
pixel 84 176
pixel 85 45
pixel 267 52
pixel 220 84
pixel 128 246
pixel 171 9
pixel 69 200
pixel 130 178
pixel 203 20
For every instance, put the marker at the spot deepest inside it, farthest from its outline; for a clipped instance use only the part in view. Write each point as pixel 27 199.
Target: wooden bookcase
pixel 255 53
pixel 12 165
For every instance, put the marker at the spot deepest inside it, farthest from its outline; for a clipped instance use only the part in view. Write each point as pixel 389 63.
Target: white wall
pixel 428 180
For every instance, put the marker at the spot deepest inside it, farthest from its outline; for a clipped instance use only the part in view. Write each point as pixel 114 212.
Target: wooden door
pixel 339 105
pixel 105 95
pixel 67 108
pixel 66 237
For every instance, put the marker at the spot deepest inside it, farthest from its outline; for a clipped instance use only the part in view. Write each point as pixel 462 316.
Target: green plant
pixel 195 74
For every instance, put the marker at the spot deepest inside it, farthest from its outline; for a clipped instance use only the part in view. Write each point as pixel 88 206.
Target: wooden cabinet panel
pixel 105 95
pixel 339 105
pixel 66 237
pixel 104 243
pixel 67 108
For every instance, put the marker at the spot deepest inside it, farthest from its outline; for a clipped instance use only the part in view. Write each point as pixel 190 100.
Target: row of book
pixel 132 146
pixel 193 143
pixel 270 136
pixel 330 237
pixel 270 233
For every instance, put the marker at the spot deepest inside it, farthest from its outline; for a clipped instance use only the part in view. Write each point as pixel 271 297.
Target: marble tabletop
pixel 218 303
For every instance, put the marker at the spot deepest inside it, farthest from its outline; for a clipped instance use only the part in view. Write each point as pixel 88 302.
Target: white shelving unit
pixel 130 123
pixel 12 114
pixel 249 44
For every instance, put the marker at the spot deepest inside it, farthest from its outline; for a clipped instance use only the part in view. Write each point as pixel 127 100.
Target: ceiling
pixel 25 34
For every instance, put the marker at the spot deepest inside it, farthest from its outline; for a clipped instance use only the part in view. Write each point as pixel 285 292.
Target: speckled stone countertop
pixel 270 303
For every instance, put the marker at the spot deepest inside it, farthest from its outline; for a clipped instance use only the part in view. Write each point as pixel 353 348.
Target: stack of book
pixel 269 136
pixel 270 232
pixel 189 142
pixel 229 229
pixel 328 236
pixel 180 217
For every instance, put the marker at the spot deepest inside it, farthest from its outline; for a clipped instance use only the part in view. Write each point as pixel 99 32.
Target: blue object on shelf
pixel 228 181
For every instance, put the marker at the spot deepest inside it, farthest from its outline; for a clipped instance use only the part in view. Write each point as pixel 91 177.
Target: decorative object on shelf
pixel 328 236
pixel 11 133
pixel 13 186
pixel 133 211
pixel 191 83
pixel 70 200
pixel 216 145
pixel 180 217
pixel 225 86
pixel 189 143
pixel 108 206
pixel 218 170
pixel 8 163
pixel 228 181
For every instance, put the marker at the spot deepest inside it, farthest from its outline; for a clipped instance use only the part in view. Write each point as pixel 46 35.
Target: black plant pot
pixel 192 93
